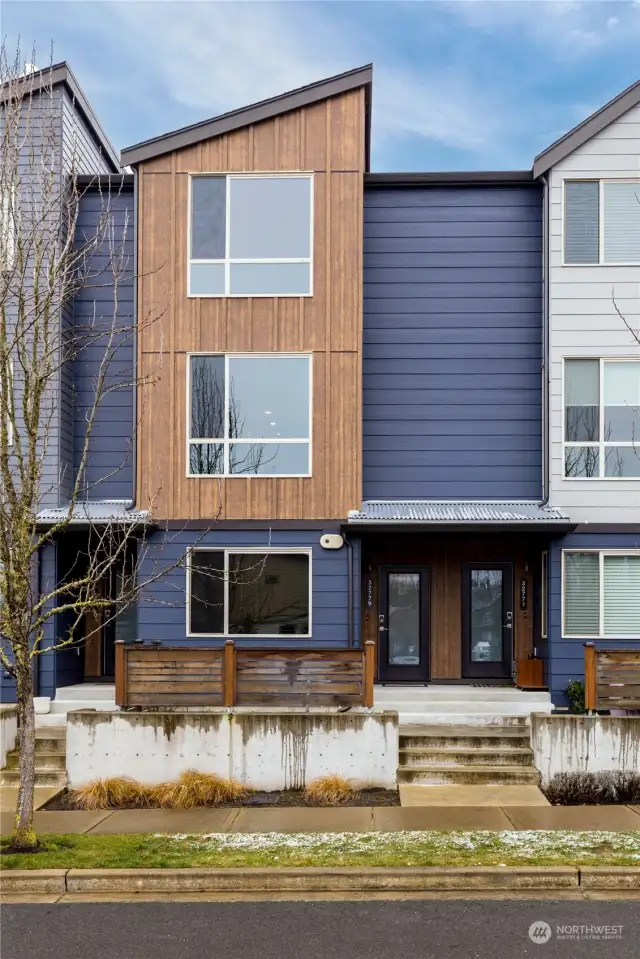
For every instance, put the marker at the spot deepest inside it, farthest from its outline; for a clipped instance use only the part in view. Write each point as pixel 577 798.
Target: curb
pixel 318 879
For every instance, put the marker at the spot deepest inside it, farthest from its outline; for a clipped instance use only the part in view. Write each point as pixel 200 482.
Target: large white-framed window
pixel 7 228
pixel 249 591
pixel 601 222
pixel 249 414
pixel 601 418
pixel 544 592
pixel 250 234
pixel 601 594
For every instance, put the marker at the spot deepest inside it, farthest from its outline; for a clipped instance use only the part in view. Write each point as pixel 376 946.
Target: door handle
pixel 508 626
pixel 381 627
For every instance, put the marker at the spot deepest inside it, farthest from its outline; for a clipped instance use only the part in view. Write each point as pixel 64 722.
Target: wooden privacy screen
pixel 611 678
pixel 197 676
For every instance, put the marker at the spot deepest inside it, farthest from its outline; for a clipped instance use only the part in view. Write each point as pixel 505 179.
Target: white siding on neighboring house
pixel 584 321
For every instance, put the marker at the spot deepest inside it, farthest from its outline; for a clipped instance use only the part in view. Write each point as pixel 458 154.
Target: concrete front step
pixel 53 777
pixel 461 717
pixel 459 693
pixel 465 737
pixel 46 759
pixel 469 775
pixel 421 756
pixel 85 692
pixel 64 706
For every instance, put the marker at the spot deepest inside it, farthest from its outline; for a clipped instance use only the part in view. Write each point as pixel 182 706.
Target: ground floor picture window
pixel 249 593
pixel 601 594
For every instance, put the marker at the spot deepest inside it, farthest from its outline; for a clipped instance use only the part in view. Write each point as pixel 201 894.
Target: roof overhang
pixel 89 513
pixel 458 514
pixel 602 118
pixel 264 110
pixel 47 78
pixel 491 178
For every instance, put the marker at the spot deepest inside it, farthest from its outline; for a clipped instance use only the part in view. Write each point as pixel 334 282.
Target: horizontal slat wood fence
pixel 611 678
pixel 196 676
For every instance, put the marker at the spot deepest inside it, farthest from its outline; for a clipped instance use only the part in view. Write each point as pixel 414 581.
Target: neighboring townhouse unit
pixel 377 406
pixel 593 177
pixel 59 121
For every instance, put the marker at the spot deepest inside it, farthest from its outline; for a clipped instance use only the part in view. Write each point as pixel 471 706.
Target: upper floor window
pixel 601 593
pixel 601 419
pixel 7 229
pixel 249 415
pixel 251 235
pixel 602 221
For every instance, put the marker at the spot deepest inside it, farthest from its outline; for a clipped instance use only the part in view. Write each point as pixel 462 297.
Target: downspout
pixel 546 439
pixel 349 546
pixel 134 418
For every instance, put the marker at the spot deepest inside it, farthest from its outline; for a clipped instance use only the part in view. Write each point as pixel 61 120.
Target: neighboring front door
pixel 403 624
pixel 487 620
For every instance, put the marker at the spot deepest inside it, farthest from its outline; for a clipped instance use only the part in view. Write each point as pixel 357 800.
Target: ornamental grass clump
pixel 603 788
pixel 331 790
pixel 112 792
pixel 194 788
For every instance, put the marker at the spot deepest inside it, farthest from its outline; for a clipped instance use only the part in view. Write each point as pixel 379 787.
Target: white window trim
pixel 8 230
pixel 601 444
pixel 226 441
pixel 601 553
pixel 227 261
pixel 260 551
pixel 601 181
pixel 544 594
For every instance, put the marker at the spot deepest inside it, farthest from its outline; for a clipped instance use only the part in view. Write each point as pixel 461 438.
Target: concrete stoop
pixel 51 760
pixel 439 704
pixel 466 755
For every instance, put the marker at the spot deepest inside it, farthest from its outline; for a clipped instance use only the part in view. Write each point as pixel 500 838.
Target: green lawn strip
pixel 539 848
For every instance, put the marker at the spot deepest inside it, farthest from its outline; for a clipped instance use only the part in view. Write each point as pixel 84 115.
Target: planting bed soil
pixel 286 797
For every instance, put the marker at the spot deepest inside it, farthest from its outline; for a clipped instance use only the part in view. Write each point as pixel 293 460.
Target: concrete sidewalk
pixel 349 819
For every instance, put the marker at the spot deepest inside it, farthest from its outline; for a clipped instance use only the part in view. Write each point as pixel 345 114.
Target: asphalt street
pixel 321 930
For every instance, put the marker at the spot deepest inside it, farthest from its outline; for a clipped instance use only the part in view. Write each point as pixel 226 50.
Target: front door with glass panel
pixel 403 624
pixel 487 620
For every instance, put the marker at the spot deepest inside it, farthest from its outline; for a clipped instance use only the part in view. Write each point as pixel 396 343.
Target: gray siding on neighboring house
pixel 109 472
pixel 452 343
pixel 162 609
pixel 81 149
pixel 566 655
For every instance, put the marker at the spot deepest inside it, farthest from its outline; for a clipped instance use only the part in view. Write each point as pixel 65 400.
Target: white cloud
pixel 213 57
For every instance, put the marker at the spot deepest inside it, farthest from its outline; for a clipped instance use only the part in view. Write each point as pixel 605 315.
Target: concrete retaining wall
pixel 270 749
pixel 565 744
pixel 8 731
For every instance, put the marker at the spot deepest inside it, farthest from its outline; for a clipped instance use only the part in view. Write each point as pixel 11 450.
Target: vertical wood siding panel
pixel 315 140
pixel 346 259
pixel 347 131
pixel 290 142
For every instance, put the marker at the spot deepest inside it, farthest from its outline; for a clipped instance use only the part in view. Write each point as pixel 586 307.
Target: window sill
pixel 249 296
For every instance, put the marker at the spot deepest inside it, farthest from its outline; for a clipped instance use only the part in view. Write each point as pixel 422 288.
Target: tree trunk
pixel 24 836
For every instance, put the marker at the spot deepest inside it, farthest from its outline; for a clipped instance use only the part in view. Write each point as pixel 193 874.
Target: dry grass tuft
pixel 331 790
pixel 109 793
pixel 194 788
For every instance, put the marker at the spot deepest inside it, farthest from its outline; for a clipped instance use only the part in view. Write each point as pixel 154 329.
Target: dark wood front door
pixel 403 624
pixel 487 620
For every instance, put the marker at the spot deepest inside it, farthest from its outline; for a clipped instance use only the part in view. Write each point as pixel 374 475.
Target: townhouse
pixel 375 406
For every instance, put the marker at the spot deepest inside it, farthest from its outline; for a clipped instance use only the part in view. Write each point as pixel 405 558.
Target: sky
pixel 463 85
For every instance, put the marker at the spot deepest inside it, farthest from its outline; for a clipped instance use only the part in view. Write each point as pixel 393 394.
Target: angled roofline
pixel 461 178
pixel 606 115
pixel 264 110
pixel 32 83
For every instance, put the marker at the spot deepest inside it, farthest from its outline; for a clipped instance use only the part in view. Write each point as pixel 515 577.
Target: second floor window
pixel 601 419
pixel 250 236
pixel 249 415
pixel 602 222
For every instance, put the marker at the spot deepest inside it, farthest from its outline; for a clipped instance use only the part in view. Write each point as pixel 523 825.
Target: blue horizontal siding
pixel 566 656
pixel 109 471
pixel 162 607
pixel 452 343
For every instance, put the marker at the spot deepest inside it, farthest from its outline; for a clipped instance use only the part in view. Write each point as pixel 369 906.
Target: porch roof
pixel 457 513
pixel 95 513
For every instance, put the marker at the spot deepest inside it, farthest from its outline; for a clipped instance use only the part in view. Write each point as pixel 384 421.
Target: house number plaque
pixel 523 594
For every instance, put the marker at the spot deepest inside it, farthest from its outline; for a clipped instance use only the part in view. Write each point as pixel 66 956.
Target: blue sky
pixel 471 84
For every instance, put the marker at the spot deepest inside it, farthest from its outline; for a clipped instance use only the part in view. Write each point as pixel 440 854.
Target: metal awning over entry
pixel 458 513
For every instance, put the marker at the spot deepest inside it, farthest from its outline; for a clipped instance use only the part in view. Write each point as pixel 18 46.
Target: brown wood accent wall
pixel 327 139
pixel 444 554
